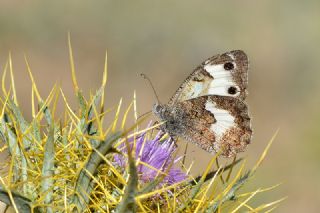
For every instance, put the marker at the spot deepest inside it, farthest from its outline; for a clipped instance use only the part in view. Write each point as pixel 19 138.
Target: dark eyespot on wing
pixel 228 66
pixel 232 90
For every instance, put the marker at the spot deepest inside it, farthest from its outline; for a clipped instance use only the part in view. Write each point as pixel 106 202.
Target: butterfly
pixel 208 109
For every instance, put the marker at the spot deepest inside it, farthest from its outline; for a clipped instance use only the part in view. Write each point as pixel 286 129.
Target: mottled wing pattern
pixel 214 123
pixel 224 75
pixel 208 109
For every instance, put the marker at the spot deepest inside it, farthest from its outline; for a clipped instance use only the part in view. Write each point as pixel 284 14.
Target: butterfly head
pixel 158 109
pixel 170 115
pixel 161 112
pixel 167 113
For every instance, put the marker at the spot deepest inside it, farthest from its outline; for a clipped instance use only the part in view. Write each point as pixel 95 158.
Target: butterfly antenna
pixel 154 91
pixel 144 114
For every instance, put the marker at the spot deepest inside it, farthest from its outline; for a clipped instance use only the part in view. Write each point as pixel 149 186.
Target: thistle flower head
pixel 156 157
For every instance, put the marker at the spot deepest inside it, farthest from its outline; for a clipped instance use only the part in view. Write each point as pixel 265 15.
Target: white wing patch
pixel 222 80
pixel 224 120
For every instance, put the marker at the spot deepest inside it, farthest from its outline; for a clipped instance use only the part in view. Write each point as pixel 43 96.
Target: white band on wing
pixel 224 120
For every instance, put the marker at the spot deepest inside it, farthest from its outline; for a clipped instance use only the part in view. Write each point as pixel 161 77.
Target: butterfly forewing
pixel 224 75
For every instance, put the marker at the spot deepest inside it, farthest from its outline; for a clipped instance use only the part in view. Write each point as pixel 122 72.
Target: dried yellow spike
pixel 10 194
pixel 73 72
pixel 12 81
pixel 261 190
pixel 264 206
pixel 104 80
pixel 116 117
pixel 262 157
pixel 4 79
pixel 206 189
pixel 34 85
pixel 68 107
pixel 244 202
pixel 125 116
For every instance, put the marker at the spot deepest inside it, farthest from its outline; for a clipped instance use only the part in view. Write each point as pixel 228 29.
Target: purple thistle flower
pixel 158 155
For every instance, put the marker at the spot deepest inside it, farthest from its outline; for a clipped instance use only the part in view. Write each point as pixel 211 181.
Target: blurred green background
pixel 167 40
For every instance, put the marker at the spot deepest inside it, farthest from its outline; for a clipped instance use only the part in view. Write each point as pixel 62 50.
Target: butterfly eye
pixel 158 108
pixel 232 90
pixel 228 66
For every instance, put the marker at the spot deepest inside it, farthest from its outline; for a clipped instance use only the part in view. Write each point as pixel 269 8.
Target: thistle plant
pixel 155 156
pixel 75 162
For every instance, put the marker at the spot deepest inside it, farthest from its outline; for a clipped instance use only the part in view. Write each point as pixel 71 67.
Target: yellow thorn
pixel 244 202
pixel 263 206
pixel 4 79
pixel 10 194
pixel 204 196
pixel 4 106
pixel 159 191
pixel 65 199
pixel 265 151
pixel 228 187
pixel 248 207
pixel 68 107
pixel 34 86
pixel 261 190
pixel 32 104
pixel 97 115
pixel 236 178
pixel 55 103
pixel 104 82
pixel 145 130
pixel 105 71
pixel 135 106
pixel 116 116
pixel 125 116
pixel 73 73
pixel 12 81
pixel 44 104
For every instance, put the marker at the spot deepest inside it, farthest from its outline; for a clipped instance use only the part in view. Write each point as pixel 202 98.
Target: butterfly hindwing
pixel 212 122
pixel 223 75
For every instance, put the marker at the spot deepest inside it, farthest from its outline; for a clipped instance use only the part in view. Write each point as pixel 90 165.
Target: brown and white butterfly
pixel 208 109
